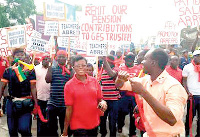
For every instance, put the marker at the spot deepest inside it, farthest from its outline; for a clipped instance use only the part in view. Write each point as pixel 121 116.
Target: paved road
pixel 4 128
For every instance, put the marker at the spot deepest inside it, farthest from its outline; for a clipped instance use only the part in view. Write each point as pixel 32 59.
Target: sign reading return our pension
pixel 168 35
pixel 51 28
pixel 97 49
pixel 16 37
pixel 54 11
pixel 68 29
pixel 39 45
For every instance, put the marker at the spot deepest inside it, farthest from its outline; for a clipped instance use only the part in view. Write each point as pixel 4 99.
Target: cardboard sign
pixel 169 35
pixel 40 24
pixel 51 28
pixel 97 49
pixel 54 11
pixel 16 37
pixel 69 29
pixel 38 45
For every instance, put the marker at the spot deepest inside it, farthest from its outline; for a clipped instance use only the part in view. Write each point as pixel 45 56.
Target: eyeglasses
pixel 80 66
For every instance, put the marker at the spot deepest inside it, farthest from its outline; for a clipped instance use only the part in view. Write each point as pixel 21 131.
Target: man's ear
pixel 154 62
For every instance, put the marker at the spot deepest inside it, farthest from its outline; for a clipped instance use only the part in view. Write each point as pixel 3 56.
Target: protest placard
pixel 54 12
pixel 106 23
pixel 97 49
pixel 51 28
pixel 16 37
pixel 69 29
pixel 168 35
pixel 189 12
pixel 39 45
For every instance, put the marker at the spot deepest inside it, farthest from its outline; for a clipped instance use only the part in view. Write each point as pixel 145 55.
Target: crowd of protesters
pixel 153 87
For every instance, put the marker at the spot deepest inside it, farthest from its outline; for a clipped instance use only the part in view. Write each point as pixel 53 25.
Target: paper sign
pixel 51 28
pixel 68 29
pixel 16 37
pixel 97 49
pixel 38 45
pixel 54 11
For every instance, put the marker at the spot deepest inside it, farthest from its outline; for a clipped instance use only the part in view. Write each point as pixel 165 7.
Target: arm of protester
pixel 48 77
pixel 184 81
pixel 166 113
pixel 121 79
pixel 107 67
pixel 195 42
pixel 33 91
pixel 68 116
pixel 3 86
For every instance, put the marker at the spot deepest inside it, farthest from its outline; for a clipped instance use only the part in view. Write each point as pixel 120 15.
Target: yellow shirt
pixel 170 93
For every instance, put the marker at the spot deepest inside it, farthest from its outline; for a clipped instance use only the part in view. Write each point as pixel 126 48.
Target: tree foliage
pixel 4 22
pixel 17 10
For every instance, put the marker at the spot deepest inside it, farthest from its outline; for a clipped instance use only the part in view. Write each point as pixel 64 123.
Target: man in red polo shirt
pixel 173 69
pixel 83 95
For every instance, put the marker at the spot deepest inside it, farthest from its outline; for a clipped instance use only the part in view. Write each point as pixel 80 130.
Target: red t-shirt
pixel 133 72
pixel 176 73
pixel 3 66
pixel 83 97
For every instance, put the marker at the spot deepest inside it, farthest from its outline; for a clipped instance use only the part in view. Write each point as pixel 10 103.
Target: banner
pixel 189 12
pixel 106 23
pixel 69 29
pixel 51 28
pixel 38 45
pixel 54 12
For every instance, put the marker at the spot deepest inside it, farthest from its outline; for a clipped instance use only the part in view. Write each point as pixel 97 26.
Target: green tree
pixel 4 22
pixel 18 10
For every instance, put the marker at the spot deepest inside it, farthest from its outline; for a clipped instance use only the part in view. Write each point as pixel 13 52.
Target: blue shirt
pixel 184 62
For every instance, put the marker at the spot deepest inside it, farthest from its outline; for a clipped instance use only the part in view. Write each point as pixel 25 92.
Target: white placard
pixel 69 29
pixel 38 45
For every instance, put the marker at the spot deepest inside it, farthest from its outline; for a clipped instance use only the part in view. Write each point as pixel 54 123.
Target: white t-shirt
pixel 43 88
pixel 192 79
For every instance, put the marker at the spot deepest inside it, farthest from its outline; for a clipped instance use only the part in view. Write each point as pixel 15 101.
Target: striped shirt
pixel 57 87
pixel 110 92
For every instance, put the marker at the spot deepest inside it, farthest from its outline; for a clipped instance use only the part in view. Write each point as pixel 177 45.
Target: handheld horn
pixel 29 66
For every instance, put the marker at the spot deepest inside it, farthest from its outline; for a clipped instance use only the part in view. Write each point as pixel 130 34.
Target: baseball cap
pixel 196 52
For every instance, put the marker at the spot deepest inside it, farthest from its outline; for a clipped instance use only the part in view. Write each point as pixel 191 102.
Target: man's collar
pixel 161 78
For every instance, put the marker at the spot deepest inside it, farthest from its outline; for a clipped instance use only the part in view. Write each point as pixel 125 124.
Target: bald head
pixel 174 62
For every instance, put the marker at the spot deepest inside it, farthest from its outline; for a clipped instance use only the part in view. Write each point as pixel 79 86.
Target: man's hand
pixel 137 87
pixel 1 113
pixel 102 105
pixel 123 76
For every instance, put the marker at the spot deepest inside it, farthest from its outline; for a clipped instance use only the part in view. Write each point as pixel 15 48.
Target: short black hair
pixel 17 50
pixel 161 56
pixel 77 58
pixel 90 65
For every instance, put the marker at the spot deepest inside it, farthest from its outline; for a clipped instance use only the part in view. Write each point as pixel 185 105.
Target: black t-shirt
pixel 17 88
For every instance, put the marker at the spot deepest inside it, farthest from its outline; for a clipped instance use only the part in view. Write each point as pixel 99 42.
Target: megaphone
pixel 29 66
